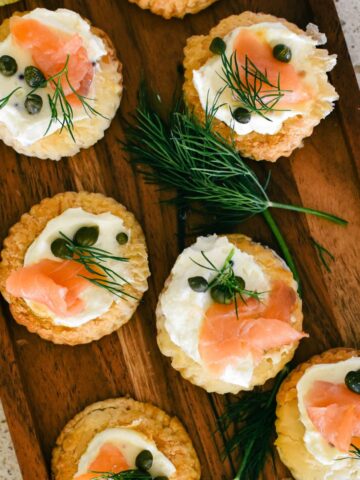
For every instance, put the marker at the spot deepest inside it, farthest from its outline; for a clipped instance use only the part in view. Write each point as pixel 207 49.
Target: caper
pixel 34 77
pixel 144 460
pixel 33 103
pixel 221 294
pixel 60 249
pixel 198 284
pixel 352 381
pixel 240 283
pixel 241 115
pixel 217 46
pixel 282 53
pixel 86 236
pixel 8 66
pixel 122 238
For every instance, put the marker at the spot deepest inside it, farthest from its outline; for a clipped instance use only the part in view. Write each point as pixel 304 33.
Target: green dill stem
pixel 282 244
pixel 311 211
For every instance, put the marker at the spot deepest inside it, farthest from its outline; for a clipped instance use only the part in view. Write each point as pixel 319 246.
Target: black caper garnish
pixel 241 283
pixel 352 381
pixel 122 238
pixel 241 115
pixel 8 65
pixel 33 103
pixel 60 249
pixel 282 53
pixel 221 294
pixel 198 284
pixel 144 460
pixel 34 77
pixel 86 236
pixel 217 46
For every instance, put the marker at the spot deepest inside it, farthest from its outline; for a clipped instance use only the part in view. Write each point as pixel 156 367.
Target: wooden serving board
pixel 44 385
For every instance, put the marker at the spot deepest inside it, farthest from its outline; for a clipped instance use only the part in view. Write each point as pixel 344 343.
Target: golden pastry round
pixel 255 145
pixel 31 224
pixel 173 8
pixel 167 432
pixel 276 269
pixel 290 430
pixel 108 87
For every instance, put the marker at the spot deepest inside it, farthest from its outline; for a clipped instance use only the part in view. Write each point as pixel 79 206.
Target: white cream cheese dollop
pixel 97 300
pixel 184 309
pixel 130 443
pixel 208 80
pixel 317 446
pixel 26 128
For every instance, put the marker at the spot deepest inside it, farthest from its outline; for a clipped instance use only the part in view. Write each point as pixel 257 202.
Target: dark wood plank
pixel 43 385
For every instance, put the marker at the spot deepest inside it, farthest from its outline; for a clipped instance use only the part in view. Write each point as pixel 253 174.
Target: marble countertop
pixel 349 13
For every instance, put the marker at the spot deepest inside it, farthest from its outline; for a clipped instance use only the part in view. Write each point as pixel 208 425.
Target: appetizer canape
pixel 74 268
pixel 318 417
pixel 264 80
pixel 229 315
pixel 124 436
pixel 60 83
pixel 173 8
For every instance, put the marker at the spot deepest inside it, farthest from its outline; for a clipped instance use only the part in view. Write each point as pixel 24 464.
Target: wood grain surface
pixel 43 385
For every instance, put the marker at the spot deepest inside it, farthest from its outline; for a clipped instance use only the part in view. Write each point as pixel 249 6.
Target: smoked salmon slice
pixel 50 49
pixel 250 44
pixel 335 412
pixel 225 338
pixel 109 459
pixel 54 284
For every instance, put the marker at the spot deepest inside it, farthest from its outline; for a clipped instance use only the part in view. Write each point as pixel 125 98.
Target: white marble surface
pixel 349 13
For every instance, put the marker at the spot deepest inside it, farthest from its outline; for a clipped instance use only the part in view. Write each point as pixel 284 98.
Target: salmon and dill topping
pixel 229 315
pixel 60 83
pixel 319 428
pixel 266 77
pixel 82 275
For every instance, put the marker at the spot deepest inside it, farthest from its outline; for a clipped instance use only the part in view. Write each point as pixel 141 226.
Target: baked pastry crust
pixel 167 432
pixel 275 268
pixel 294 130
pixel 31 224
pixel 173 8
pixel 108 86
pixel 290 430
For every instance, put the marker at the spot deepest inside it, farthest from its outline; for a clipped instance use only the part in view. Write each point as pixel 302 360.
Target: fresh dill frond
pixel 253 416
pixel 94 260
pixel 323 253
pixel 187 155
pixel 251 86
pixel 4 101
pixel 125 475
pixel 354 454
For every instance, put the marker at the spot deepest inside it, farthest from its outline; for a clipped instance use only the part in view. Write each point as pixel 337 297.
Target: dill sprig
pixel 254 417
pixel 202 166
pixel 247 84
pixel 94 260
pixel 323 253
pixel 232 285
pixel 355 452
pixel 125 475
pixel 4 101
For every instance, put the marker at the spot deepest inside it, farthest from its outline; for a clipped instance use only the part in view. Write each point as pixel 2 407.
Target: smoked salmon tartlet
pixel 318 417
pixel 74 268
pixel 173 8
pixel 229 315
pixel 264 80
pixel 60 83
pixel 123 435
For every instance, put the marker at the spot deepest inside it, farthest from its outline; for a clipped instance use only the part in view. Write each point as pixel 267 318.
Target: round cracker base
pixel 108 86
pixel 294 130
pixel 167 432
pixel 275 268
pixel 31 224
pixel 173 8
pixel 290 430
